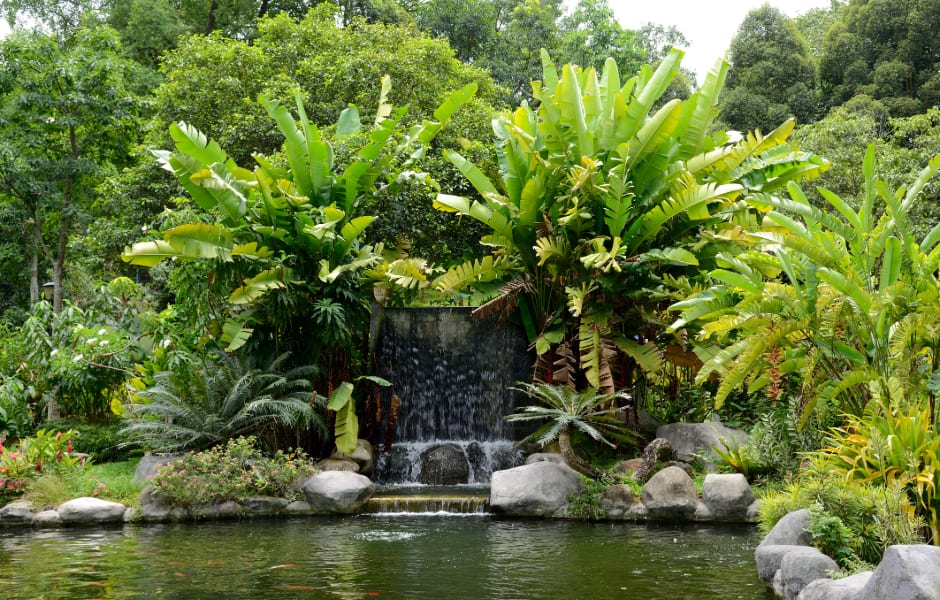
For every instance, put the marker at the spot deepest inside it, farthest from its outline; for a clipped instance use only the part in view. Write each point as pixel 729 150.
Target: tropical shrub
pixel 566 411
pixel 776 445
pixel 102 442
pixel 587 503
pixel 876 516
pixel 229 397
pixel 44 452
pixel 888 446
pixel 843 301
pixel 832 537
pixel 599 198
pixel 232 471
pixel 16 415
pixel 282 245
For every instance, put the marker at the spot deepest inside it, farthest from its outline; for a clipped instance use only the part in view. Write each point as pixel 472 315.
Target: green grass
pixel 108 481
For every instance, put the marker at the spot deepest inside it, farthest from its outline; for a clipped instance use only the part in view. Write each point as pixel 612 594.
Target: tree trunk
pixel 65 223
pixel 210 21
pixel 34 262
pixel 574 461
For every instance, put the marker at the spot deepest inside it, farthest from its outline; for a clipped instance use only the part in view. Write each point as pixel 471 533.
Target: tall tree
pixel 772 76
pixel 65 121
pixel 814 23
pixel 523 28
pixel 468 26
pixel 887 49
pixel 592 34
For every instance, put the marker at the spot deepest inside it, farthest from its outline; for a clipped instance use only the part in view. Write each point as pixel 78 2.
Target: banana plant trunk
pixel 574 461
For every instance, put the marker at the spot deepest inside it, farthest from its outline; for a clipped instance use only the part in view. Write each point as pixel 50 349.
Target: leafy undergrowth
pixel 108 481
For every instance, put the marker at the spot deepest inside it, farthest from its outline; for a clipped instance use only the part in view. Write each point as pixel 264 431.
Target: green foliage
pixel 776 441
pixel 230 472
pixel 876 516
pixel 565 411
pixel 16 416
pixel 227 398
pixel 102 442
pixel 289 238
pixel 599 197
pixel 44 452
pixel 739 458
pixel 586 504
pixel 904 145
pixel 832 537
pixel 772 77
pixel 66 121
pixel 825 295
pixel 111 481
pixel 886 50
pixel 889 446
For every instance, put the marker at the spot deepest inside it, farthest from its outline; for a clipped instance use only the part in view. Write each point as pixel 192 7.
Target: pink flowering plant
pixel 45 452
pixel 231 472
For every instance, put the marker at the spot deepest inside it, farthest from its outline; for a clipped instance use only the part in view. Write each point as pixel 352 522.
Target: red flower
pixel 69 447
pixel 39 465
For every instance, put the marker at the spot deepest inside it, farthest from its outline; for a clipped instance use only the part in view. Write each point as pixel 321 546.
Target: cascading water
pixel 452 375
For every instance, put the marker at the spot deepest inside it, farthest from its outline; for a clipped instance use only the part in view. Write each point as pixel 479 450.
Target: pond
pixel 383 556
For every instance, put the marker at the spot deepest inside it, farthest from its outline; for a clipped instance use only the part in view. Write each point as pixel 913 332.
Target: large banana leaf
pixel 346 428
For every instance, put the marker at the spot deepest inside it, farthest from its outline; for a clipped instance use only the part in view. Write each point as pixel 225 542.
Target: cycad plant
pixel 845 301
pixel 565 411
pixel 226 399
pixel 599 196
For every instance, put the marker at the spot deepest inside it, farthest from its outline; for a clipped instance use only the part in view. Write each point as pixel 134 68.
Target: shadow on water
pixel 368 556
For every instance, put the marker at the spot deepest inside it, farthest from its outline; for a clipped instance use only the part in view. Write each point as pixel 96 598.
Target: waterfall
pixel 452 375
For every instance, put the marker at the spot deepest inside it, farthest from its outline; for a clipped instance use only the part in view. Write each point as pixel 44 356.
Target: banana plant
pixel 844 299
pixel 600 194
pixel 287 236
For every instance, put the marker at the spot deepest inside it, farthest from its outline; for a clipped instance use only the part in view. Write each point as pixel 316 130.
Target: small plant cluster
pixel 587 503
pixel 230 472
pixel 775 444
pixel 888 445
pixel 46 452
pixel 851 521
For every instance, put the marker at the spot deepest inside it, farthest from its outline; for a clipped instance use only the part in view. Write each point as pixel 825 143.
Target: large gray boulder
pixel 769 558
pixel 148 465
pixel 338 464
pixel 909 572
pixel 363 456
pixel 690 440
pixel 340 492
pixel 90 511
pixel 553 457
pixel 617 500
pixel 791 530
pixel 444 464
pixel 727 496
pixel 670 495
pixel 47 518
pixel 539 489
pixel 801 566
pixel 18 512
pixel 260 506
pixel 846 588
pixel 154 508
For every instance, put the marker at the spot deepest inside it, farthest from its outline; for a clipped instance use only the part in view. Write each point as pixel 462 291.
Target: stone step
pixel 436 504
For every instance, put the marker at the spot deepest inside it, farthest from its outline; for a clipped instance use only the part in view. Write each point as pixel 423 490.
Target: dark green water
pixel 470 557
